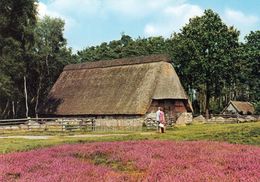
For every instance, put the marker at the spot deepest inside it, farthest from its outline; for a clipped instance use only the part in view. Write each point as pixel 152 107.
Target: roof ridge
pixel 119 62
pixel 234 105
pixel 241 101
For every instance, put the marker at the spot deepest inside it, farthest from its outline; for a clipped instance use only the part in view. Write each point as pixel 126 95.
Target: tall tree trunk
pixel 37 97
pixel 5 109
pixel 17 108
pixel 47 64
pixel 207 101
pixel 13 108
pixel 25 94
pixel 219 103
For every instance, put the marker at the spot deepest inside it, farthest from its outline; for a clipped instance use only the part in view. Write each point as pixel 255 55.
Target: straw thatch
pixel 240 107
pixel 118 87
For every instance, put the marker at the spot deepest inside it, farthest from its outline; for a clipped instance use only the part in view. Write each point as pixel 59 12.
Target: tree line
pixel 33 52
pixel 213 65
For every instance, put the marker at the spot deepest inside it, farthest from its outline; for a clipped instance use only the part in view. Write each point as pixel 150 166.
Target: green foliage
pixel 252 57
pixel 32 48
pixel 50 55
pixel 246 83
pixel 203 54
pixel 16 37
pixel 257 107
pixel 125 47
pixel 17 17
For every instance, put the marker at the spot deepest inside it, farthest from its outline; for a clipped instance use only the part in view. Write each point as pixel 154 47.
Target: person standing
pixel 162 122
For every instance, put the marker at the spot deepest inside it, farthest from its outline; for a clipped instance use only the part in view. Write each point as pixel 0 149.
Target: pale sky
pixel 91 22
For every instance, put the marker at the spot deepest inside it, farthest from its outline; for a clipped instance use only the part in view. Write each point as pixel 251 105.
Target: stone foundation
pixel 124 122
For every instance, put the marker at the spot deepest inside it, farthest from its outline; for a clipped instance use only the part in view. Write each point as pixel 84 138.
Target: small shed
pixel 239 107
pixel 118 89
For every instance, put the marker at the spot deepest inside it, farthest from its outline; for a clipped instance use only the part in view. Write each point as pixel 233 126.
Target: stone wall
pixel 123 122
pixel 219 119
pixel 181 118
pixel 184 118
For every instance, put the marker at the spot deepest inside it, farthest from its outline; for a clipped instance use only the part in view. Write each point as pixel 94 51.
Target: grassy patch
pixel 13 176
pixel 100 158
pixel 12 145
pixel 244 133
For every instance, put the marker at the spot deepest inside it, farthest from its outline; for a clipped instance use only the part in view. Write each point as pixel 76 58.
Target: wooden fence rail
pixel 60 125
pixel 48 124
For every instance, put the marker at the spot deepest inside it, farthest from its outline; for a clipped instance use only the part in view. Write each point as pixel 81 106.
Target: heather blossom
pixel 134 161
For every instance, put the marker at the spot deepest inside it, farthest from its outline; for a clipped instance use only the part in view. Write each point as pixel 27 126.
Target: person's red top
pixel 161 116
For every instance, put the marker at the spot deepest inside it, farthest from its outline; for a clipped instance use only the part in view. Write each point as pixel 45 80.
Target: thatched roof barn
pixel 129 86
pixel 239 107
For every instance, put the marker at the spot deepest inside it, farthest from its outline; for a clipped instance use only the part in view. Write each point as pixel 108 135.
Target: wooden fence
pixel 59 125
pixel 151 123
pixel 48 124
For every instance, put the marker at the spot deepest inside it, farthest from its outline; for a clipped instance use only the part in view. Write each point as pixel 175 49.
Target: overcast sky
pixel 91 22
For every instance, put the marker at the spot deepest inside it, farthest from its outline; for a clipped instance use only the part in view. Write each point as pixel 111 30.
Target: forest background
pixel 214 66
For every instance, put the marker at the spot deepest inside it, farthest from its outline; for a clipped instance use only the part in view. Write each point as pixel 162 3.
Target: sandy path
pixel 72 136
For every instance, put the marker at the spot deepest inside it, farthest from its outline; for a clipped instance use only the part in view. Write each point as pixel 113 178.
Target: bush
pixel 257 107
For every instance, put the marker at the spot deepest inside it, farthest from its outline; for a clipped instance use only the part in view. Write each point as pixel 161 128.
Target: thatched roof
pixel 118 62
pixel 243 107
pixel 122 86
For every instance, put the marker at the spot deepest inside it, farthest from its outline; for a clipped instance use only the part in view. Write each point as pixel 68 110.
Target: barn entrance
pixel 171 107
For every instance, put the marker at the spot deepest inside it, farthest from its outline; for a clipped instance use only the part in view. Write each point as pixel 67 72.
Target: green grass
pixel 99 158
pixel 244 133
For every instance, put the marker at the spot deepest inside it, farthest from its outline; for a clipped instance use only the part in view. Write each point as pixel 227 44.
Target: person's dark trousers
pixel 158 127
pixel 162 129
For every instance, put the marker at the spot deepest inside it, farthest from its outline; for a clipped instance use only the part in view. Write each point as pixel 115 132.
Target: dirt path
pixel 27 137
pixel 72 136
